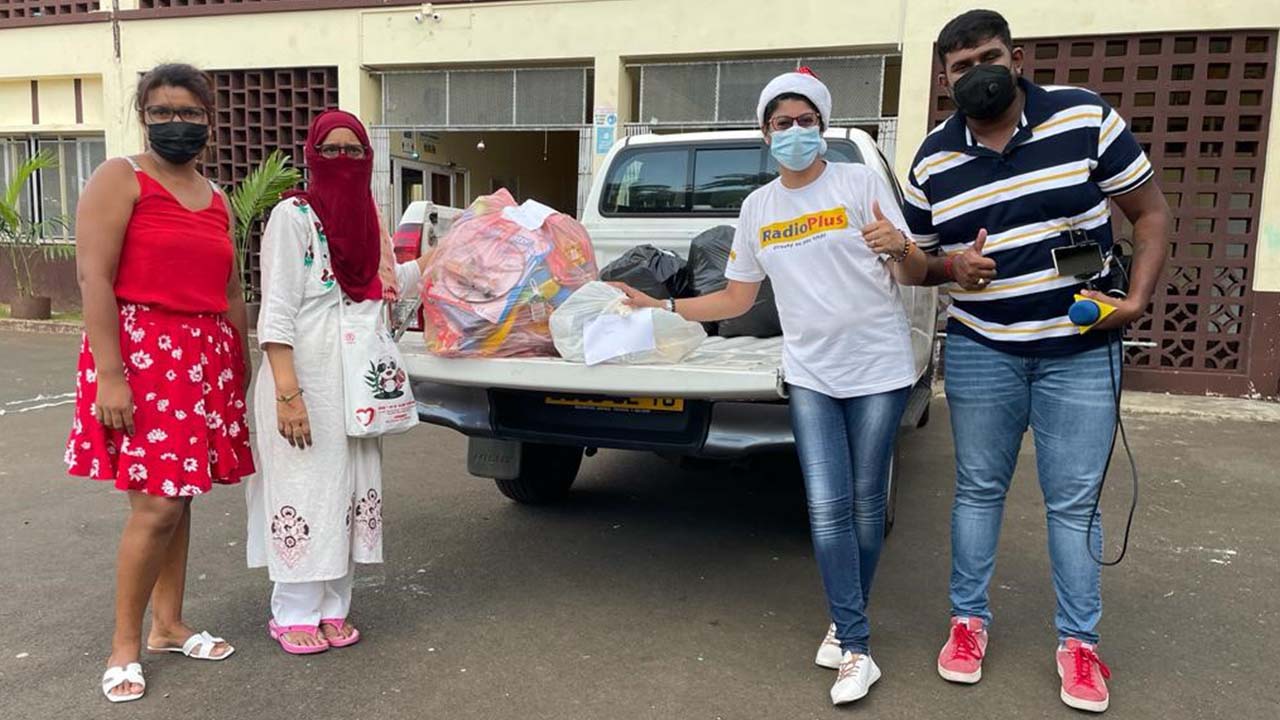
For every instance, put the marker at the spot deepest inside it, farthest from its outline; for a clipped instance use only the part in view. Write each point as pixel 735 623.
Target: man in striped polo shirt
pixel 1017 171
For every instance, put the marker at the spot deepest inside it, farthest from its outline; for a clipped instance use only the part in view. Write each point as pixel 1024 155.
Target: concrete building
pixel 528 94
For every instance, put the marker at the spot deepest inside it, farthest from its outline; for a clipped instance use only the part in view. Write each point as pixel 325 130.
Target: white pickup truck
pixel 530 420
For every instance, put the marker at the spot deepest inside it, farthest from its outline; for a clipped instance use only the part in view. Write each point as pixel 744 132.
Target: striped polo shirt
pixel 1070 154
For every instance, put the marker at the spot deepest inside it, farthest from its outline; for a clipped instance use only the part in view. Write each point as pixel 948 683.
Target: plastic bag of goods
pixel 708 256
pixel 654 272
pixel 577 324
pixel 494 279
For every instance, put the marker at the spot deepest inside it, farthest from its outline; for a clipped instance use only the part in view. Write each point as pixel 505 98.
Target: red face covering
pixel 339 192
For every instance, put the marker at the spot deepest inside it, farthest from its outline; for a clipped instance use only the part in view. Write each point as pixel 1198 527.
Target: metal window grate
pixel 259 111
pixel 724 92
pixel 504 98
pixel 1199 103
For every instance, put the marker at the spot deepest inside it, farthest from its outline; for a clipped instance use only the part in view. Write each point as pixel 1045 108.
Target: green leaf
pixel 22 239
pixel 11 222
pixel 258 193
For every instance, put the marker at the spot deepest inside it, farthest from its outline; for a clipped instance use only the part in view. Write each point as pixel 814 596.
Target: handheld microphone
pixel 1086 312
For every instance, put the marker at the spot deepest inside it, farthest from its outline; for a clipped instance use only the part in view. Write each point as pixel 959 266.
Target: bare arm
pixel 1147 209
pixel 101 218
pixel 913 270
pixel 731 302
pixel 237 313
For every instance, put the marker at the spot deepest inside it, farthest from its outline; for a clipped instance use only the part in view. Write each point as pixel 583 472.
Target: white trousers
pixel 307 603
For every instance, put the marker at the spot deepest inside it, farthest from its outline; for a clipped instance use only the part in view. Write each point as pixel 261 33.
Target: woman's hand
pixel 881 236
pixel 114 404
pixel 293 422
pixel 637 299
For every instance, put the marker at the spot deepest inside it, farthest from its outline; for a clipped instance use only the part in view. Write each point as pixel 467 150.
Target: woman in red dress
pixel 160 392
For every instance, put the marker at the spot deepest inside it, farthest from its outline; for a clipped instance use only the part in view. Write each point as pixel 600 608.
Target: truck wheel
pixel 546 474
pixel 891 501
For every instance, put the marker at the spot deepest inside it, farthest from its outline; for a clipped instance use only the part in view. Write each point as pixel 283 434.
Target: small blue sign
pixel 604 139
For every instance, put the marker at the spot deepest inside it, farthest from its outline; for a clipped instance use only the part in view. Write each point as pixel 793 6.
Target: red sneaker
pixel 1084 677
pixel 961 658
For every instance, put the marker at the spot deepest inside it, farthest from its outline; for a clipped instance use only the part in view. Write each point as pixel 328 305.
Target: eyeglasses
pixel 355 152
pixel 782 123
pixel 157 114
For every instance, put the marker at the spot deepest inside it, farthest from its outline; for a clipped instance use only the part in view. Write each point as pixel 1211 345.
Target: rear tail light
pixel 407 244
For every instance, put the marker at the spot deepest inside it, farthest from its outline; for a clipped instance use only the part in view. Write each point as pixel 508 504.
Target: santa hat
pixel 802 82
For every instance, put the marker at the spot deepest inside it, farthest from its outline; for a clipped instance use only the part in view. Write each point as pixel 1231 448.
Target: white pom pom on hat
pixel 802 82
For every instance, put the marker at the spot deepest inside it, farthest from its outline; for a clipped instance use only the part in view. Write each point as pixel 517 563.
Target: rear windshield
pixel 695 180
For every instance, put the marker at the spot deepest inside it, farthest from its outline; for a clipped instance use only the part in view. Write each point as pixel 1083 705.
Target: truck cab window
pixel 649 182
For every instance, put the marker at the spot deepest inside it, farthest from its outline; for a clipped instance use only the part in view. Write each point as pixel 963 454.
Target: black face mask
pixel 178 142
pixel 985 91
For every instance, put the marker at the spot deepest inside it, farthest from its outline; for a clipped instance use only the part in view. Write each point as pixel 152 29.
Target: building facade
pixel 465 97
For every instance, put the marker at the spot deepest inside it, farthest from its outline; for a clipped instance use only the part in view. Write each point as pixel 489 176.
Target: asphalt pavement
pixel 655 592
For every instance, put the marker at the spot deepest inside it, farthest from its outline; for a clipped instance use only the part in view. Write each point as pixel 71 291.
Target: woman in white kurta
pixel 316 506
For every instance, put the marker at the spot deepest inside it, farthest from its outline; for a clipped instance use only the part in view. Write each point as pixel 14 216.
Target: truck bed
pixel 721 369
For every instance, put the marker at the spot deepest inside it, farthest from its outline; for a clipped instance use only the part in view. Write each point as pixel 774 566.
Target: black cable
pixel 1117 388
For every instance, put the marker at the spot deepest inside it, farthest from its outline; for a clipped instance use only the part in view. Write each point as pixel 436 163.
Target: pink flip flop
pixel 338 623
pixel 278 632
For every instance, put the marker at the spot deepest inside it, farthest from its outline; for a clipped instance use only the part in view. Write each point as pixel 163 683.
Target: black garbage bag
pixel 708 256
pixel 657 273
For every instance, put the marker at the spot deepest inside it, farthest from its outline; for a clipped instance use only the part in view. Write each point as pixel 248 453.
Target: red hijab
pixel 339 192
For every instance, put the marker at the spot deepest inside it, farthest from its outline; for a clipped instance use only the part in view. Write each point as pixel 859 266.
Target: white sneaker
pixel 857 674
pixel 829 653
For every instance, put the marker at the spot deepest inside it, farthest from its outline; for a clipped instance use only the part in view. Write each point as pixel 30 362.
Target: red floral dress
pixel 183 360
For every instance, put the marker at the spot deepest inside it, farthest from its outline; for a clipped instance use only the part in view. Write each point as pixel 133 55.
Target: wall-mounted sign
pixel 606 125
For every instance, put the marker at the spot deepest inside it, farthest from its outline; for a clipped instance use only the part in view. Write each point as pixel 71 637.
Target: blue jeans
pixel 845 447
pixel 1069 404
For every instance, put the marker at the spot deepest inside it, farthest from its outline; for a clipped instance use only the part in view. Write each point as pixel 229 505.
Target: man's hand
pixel 881 236
pixel 1127 310
pixel 972 270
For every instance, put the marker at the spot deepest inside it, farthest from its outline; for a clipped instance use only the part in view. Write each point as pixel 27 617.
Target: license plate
pixel 634 404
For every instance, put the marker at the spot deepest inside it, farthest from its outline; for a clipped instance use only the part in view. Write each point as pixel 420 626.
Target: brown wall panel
pixel 259 111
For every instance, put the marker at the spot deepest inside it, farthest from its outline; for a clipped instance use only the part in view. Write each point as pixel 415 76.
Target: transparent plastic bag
pixel 674 337
pixel 494 279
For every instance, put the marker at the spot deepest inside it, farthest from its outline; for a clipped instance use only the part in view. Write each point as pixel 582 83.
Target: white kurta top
pixel 311 511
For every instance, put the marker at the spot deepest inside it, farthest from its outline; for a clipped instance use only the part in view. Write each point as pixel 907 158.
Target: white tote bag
pixel 375 385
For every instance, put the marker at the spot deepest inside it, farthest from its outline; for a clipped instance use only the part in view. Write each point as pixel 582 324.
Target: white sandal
pixel 199 646
pixel 116 676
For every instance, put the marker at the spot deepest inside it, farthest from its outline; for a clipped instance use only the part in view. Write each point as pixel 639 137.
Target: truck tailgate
pixel 722 369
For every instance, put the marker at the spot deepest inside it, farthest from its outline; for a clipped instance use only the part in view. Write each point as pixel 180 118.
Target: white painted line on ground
pixel 41 401
pixel 40 397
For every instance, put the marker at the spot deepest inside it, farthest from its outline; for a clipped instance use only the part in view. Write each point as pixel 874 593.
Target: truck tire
pixel 546 474
pixel 891 501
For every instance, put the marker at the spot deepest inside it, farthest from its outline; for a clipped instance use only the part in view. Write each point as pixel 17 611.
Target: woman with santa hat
pixel 832 240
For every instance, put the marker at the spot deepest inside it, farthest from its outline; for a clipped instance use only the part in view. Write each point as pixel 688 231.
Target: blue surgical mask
pixel 796 149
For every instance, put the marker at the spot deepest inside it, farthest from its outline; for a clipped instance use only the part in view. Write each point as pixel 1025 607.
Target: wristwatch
pixel 671 304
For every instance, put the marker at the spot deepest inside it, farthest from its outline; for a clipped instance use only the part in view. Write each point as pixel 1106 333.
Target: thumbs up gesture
pixel 881 236
pixel 972 269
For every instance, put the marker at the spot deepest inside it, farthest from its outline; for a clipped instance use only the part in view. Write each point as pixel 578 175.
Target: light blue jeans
pixel 845 447
pixel 1069 404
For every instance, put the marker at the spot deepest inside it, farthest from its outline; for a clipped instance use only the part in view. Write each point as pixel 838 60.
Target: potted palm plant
pixel 24 240
pixel 252 198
